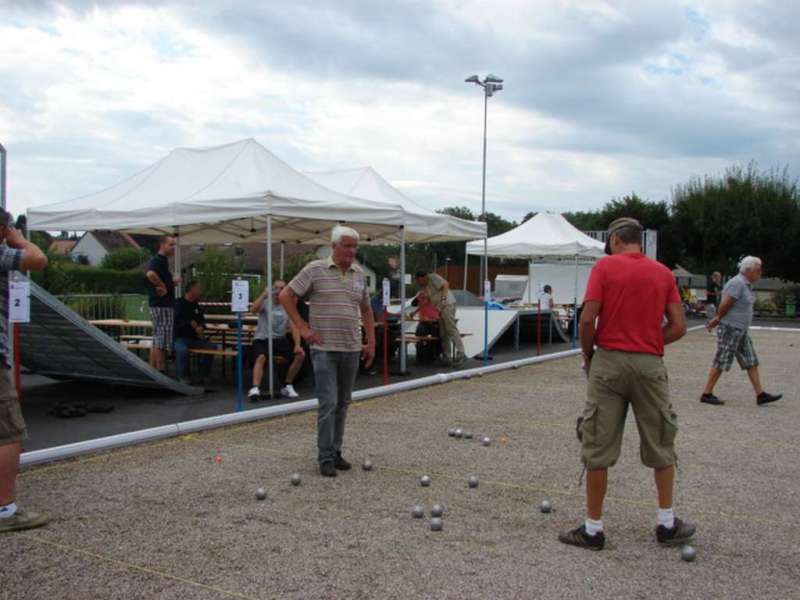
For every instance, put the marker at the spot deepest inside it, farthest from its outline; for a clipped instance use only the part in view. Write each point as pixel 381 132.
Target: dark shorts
pixel 280 347
pixel 12 425
pixel 734 343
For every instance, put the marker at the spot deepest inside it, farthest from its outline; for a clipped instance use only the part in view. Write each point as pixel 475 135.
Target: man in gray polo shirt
pixel 339 305
pixel 733 319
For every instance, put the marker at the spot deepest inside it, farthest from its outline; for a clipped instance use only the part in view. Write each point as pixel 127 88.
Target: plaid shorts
pixel 163 318
pixel 734 342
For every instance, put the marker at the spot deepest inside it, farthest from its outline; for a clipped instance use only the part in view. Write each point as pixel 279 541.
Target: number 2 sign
pixel 19 300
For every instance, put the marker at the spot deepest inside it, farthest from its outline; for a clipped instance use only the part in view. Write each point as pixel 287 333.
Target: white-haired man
pixel 339 304
pixel 733 319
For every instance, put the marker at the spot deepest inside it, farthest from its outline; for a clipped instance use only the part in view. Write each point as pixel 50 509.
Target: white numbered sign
pixel 19 299
pixel 240 295
pixel 387 291
pixel 487 290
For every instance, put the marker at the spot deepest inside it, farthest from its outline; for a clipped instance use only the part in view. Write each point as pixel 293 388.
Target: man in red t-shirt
pixel 626 302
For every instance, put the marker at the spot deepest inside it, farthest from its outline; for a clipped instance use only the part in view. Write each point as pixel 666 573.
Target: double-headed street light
pixel 490 84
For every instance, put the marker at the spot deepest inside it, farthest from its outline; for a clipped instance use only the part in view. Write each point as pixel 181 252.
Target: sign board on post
pixel 487 290
pixel 240 295
pixel 387 292
pixel 19 299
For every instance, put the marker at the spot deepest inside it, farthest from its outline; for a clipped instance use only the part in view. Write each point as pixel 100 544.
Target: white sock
pixel 666 517
pixel 593 527
pixel 8 511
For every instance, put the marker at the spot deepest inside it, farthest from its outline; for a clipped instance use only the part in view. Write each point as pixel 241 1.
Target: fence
pixel 108 306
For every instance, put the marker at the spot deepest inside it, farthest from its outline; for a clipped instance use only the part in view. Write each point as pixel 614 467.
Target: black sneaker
pixel 340 463
pixel 711 399
pixel 327 469
pixel 765 398
pixel 679 534
pixel 579 537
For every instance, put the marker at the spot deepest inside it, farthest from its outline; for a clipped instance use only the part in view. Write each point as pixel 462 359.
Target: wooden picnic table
pixel 231 317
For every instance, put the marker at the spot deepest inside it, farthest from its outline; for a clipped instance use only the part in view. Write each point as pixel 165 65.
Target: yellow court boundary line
pixel 134 567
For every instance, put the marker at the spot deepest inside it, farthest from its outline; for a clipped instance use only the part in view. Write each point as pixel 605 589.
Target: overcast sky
pixel 600 98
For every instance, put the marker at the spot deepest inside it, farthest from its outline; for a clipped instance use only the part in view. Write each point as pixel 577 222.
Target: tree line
pixel 707 225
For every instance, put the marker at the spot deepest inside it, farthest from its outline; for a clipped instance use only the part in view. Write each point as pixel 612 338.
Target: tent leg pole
pixel 466 266
pixel 575 316
pixel 283 246
pixel 270 357
pixel 403 370
pixel 179 286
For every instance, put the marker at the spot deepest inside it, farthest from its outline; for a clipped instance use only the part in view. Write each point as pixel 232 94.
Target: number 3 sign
pixel 240 295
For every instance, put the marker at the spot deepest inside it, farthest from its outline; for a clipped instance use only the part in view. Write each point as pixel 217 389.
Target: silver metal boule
pixel 424 481
pixel 437 510
pixel 367 466
pixel 545 506
pixel 486 441
pixel 296 479
pixel 261 494
pixel 472 481
pixel 417 511
pixel 688 553
pixel 436 524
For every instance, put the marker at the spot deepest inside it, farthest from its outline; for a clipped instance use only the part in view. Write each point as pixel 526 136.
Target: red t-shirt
pixel 633 292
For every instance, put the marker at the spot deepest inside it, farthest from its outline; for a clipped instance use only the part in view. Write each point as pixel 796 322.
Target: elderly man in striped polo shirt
pixel 339 302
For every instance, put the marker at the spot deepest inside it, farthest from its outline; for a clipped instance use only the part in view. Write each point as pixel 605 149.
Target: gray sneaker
pixel 459 360
pixel 22 520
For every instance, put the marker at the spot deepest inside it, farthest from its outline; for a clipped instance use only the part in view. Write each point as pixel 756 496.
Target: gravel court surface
pixel 165 520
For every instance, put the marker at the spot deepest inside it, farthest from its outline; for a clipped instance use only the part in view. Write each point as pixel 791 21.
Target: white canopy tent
pixel 232 193
pixel 545 235
pixel 550 239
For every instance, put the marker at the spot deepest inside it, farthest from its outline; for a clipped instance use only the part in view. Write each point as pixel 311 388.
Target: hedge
pixel 71 278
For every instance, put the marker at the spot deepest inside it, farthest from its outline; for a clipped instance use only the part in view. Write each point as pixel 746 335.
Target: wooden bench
pixel 133 338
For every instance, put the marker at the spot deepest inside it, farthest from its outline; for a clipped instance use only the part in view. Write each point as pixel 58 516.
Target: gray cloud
pixel 633 87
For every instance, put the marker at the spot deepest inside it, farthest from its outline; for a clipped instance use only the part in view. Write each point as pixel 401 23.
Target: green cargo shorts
pixel 12 425
pixel 617 379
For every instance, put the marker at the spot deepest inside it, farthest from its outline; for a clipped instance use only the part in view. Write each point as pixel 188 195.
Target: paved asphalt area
pixel 179 518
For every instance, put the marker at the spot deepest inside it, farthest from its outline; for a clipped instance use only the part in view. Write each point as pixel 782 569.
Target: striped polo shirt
pixel 336 300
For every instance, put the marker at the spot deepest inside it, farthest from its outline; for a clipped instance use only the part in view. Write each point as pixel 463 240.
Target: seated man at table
pixel 290 349
pixel 190 323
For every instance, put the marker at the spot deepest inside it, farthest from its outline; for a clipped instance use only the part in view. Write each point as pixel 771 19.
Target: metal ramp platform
pixel 61 344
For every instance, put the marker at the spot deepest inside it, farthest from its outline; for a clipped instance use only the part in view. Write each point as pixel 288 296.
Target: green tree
pixel 123 259
pixel 718 220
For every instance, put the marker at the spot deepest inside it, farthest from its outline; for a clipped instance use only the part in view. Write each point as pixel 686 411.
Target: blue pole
pixel 239 386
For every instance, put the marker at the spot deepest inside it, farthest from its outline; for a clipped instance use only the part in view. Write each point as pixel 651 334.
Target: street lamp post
pixel 490 84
